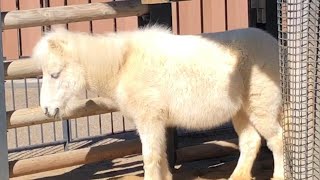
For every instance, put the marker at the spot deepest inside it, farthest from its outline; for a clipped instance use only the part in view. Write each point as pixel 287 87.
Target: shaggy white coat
pixel 158 79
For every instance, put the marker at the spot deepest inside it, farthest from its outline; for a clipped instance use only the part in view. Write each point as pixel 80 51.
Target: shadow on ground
pixel 132 169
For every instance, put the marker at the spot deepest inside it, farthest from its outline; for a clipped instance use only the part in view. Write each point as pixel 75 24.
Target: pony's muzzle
pixel 54 114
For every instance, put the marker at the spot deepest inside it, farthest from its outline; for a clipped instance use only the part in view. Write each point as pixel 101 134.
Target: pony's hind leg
pixel 268 126
pixel 264 116
pixel 249 144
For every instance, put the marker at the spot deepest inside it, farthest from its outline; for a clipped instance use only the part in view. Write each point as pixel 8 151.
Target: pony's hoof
pixel 235 177
pixel 168 176
pixel 277 178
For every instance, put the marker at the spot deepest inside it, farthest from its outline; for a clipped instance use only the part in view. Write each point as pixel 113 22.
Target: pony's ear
pixel 58 46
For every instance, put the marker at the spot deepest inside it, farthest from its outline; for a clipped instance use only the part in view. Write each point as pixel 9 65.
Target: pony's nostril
pixel 56 112
pixel 46 112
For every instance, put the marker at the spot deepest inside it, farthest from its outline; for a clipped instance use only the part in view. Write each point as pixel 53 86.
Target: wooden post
pixel 162 14
pixel 4 168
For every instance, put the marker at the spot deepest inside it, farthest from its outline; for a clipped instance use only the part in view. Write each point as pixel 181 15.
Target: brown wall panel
pixel 29 36
pixel 127 23
pixel 237 14
pixel 54 3
pixel 79 26
pixel 105 25
pixel 189 17
pixel 214 16
pixel 10 37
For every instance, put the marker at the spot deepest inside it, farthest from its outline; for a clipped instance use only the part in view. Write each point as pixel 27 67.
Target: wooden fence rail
pixel 81 108
pixel 72 13
pixel 19 69
pixel 74 157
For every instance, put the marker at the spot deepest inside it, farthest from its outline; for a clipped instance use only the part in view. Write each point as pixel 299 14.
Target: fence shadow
pixel 102 170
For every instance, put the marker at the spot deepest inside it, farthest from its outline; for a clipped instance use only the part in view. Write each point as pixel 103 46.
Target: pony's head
pixel 63 75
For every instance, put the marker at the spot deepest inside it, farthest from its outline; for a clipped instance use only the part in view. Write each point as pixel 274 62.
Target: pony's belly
pixel 199 122
pixel 203 116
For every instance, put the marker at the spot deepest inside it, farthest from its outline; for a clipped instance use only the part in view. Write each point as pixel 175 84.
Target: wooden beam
pixel 32 116
pixel 19 69
pixel 212 149
pixel 74 157
pixel 72 13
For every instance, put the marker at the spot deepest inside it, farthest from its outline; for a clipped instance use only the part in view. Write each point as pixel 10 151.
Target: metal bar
pixel 88 124
pixel 14 108
pixel 123 124
pixel 100 124
pixel 66 133
pixel 76 127
pixel 27 106
pixel 4 170
pixel 111 120
pixel 41 125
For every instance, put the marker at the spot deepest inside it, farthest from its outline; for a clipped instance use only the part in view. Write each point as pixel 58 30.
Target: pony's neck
pixel 102 60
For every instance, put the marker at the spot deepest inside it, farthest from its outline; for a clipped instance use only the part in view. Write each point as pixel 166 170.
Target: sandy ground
pixel 131 168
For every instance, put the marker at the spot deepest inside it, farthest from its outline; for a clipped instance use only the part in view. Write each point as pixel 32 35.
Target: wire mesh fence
pixel 298 27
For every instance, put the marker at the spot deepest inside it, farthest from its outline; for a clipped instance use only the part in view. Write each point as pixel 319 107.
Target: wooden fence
pixel 189 17
pixel 19 37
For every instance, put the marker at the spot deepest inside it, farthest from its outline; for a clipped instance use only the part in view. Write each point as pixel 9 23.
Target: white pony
pixel 158 79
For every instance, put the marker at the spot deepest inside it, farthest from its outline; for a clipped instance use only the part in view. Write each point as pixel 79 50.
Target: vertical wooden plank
pixel 174 9
pixel 214 16
pixel 189 17
pixel 127 23
pixel 54 3
pixel 9 37
pixel 4 170
pixel 237 14
pixel 29 36
pixel 104 25
pixel 79 26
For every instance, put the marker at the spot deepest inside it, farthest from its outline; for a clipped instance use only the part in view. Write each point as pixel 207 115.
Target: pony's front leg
pixel 152 135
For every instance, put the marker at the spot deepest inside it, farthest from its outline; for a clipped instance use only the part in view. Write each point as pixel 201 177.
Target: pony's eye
pixel 55 75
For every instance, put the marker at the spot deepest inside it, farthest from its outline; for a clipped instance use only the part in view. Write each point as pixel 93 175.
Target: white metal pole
pixel 4 167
